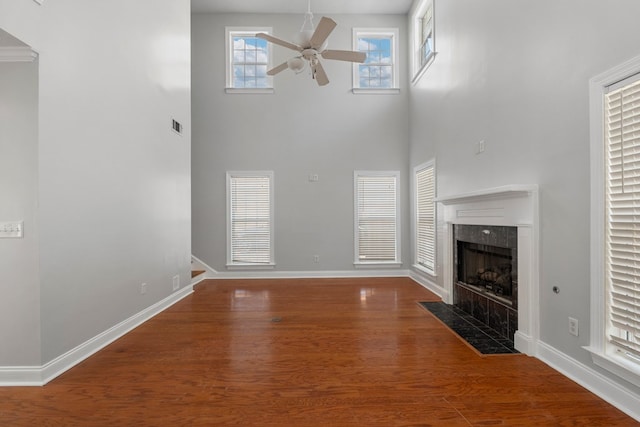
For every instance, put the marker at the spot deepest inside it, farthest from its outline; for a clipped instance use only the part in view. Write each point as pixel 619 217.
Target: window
pixel 423 37
pixel 425 217
pixel 615 220
pixel 248 59
pixel 377 226
pixel 250 219
pixel 378 72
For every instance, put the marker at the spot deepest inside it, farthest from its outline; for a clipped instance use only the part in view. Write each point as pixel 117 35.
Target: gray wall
pixel 299 130
pixel 515 74
pixel 113 178
pixel 20 302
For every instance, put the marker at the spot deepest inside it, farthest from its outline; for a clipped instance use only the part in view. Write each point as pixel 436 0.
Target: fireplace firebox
pixel 486 275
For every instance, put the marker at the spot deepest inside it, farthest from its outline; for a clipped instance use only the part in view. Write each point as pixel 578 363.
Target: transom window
pixel 248 59
pixel 377 226
pixel 379 69
pixel 422 37
pixel 426 35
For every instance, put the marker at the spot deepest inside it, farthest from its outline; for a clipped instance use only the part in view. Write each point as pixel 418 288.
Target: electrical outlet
pixel 313 177
pixel 176 282
pixel 143 289
pixel 573 326
pixel 480 147
pixel 316 259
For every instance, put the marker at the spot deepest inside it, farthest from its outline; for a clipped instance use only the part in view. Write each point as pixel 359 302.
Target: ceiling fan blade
pixel 344 55
pixel 320 75
pixel 320 35
pixel 278 69
pixel 278 41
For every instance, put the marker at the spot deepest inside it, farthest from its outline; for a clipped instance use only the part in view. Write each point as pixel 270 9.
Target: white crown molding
pixel 17 54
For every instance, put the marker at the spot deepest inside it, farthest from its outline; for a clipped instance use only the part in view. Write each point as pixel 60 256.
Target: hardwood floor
pixel 321 352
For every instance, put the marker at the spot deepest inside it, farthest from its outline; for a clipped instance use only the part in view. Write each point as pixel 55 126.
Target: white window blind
pixel 376 218
pixel 250 214
pixel 426 35
pixel 622 114
pixel 425 217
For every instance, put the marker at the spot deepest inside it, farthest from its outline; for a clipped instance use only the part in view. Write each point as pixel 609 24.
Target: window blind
pixel 622 114
pixel 426 36
pixel 376 218
pixel 250 211
pixel 425 217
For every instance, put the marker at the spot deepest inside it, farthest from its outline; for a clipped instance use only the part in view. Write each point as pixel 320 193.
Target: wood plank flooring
pixel 313 352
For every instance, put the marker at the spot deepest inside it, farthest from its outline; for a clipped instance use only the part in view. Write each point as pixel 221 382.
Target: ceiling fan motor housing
pixel 303 39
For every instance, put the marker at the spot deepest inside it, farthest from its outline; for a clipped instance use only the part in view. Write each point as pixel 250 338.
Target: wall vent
pixel 176 126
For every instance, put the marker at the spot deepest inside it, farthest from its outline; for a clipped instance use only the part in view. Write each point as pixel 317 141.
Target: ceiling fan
pixel 311 44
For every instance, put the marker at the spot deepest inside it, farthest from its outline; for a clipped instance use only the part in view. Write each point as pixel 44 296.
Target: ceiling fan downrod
pixel 307 25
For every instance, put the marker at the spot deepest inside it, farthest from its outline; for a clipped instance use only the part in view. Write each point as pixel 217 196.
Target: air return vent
pixel 176 126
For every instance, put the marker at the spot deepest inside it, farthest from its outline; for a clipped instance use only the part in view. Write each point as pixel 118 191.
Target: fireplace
pixel 486 275
pixel 511 206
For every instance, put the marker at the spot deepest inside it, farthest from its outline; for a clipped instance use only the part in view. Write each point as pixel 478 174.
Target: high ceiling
pixel 300 6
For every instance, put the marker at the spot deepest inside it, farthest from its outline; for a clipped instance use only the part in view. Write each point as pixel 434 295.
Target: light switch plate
pixel 11 229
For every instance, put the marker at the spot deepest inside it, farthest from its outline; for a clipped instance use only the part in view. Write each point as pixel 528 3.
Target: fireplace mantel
pixel 509 205
pixel 506 191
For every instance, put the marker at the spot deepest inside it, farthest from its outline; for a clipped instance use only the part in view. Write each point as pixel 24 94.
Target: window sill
pixel 617 365
pixel 418 75
pixel 250 266
pixel 236 90
pixel 393 264
pixel 425 270
pixel 380 91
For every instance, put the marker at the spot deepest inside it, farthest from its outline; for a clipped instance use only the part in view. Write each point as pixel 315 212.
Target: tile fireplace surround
pixel 511 205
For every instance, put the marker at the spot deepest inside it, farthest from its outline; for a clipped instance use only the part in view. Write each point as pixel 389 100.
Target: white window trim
pixel 414 219
pixel 373 264
pixel 249 266
pixel 393 33
pixel 415 30
pixel 248 31
pixel 601 355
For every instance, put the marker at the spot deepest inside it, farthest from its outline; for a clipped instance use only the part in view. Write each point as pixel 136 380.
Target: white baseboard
pixel 40 375
pixel 209 271
pixel 261 274
pixel 430 285
pixel 524 343
pixel 597 383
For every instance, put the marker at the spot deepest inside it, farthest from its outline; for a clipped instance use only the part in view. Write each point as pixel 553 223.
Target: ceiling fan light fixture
pixel 296 64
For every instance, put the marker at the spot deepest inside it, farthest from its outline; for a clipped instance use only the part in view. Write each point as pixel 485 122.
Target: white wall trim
pixel 424 281
pixel 592 380
pixel 17 54
pixel 210 271
pixel 311 274
pixel 41 375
